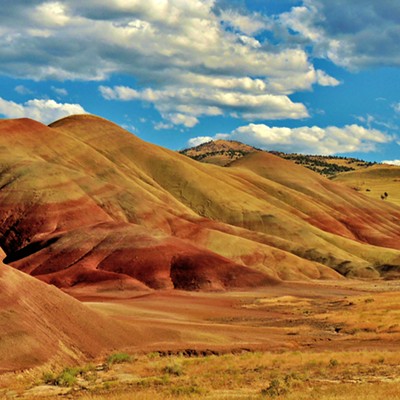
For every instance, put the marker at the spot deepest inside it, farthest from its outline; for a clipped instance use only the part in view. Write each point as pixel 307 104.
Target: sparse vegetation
pixel 118 358
pixel 173 369
pixel 68 376
pixel 254 375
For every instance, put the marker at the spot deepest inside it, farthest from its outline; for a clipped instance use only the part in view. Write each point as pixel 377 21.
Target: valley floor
pixel 329 340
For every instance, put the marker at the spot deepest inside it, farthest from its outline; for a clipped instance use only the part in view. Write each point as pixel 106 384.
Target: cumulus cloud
pixel 182 106
pixel 45 111
pixel 307 140
pixel 392 162
pixel 353 34
pixel 172 48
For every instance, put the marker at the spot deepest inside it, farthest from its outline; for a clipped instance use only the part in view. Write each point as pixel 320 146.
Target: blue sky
pixel 307 76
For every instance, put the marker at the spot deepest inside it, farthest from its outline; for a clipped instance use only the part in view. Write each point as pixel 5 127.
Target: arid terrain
pixel 294 340
pixel 132 270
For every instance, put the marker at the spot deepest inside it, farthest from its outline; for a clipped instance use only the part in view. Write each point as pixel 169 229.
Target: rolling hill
pixel 84 202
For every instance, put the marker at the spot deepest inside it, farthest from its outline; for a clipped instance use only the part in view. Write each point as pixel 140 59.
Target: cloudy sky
pixel 309 76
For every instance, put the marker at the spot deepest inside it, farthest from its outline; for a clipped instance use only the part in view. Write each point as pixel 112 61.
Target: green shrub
pixel 67 377
pixel 118 358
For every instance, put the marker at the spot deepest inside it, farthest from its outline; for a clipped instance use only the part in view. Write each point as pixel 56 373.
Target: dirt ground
pixel 297 315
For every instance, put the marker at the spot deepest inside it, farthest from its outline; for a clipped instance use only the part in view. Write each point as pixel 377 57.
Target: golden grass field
pixel 310 340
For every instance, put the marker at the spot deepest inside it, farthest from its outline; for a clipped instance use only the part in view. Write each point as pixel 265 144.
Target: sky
pixel 305 76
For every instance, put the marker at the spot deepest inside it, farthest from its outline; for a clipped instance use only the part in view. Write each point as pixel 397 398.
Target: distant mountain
pixel 223 152
pixel 84 202
pixel 219 152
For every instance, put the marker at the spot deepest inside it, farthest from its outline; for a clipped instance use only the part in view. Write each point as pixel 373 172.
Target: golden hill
pixel 380 182
pixel 85 202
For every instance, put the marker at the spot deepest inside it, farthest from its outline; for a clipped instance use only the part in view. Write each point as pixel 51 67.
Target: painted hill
pixel 85 202
pixel 380 182
pixel 39 323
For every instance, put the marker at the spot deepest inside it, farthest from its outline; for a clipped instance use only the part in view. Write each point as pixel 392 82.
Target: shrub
pixel 67 377
pixel 333 362
pixel 118 358
pixel 275 388
pixel 173 369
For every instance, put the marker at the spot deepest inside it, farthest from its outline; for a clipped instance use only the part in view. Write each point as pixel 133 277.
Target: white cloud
pixel 182 119
pixel 21 89
pixel 182 106
pixel 325 80
pixel 392 162
pixel 308 140
pixel 158 126
pixel 59 91
pixel 45 111
pixel 172 48
pixel 51 14
pixel 199 140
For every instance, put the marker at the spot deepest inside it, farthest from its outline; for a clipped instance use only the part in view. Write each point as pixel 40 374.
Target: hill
pixel 328 166
pixel 380 182
pixel 84 202
pixel 219 152
pixel 223 152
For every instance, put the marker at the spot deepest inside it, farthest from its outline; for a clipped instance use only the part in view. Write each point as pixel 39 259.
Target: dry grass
pixel 294 375
pixel 370 375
